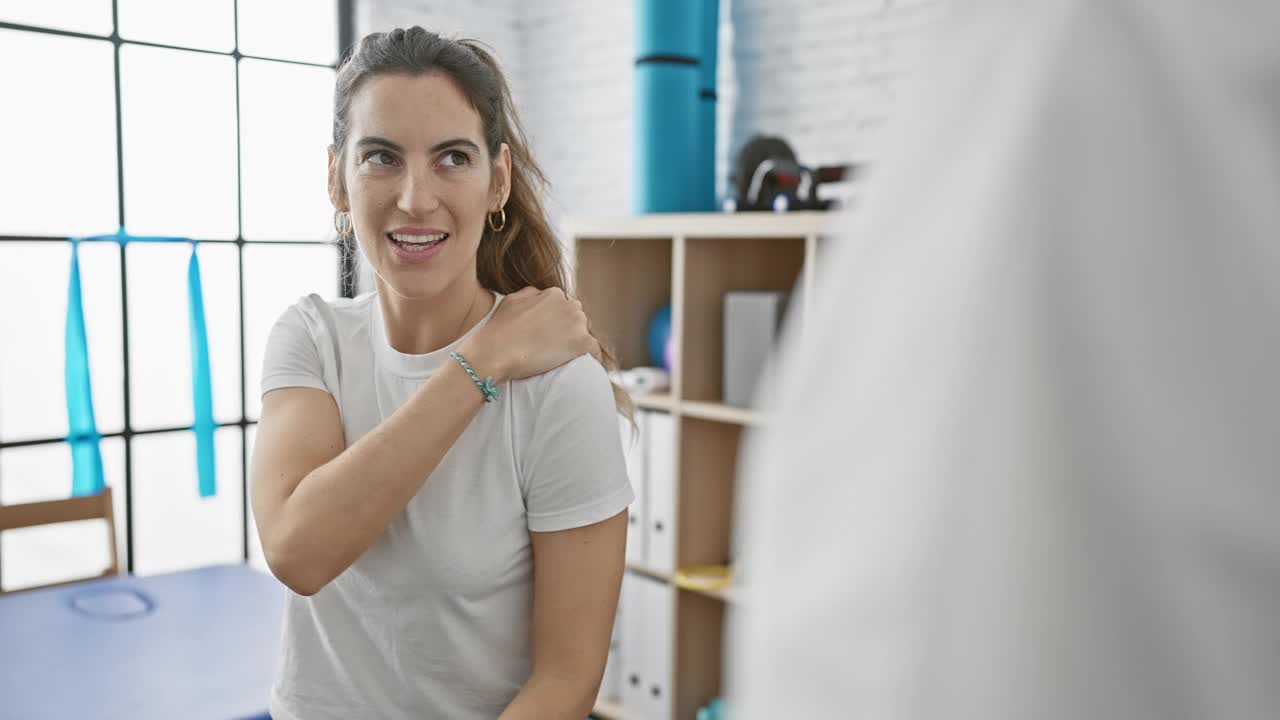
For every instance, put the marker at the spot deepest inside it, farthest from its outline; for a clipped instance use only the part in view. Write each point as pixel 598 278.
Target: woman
pixel 454 545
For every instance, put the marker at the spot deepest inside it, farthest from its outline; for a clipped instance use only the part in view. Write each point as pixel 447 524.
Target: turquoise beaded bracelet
pixel 487 386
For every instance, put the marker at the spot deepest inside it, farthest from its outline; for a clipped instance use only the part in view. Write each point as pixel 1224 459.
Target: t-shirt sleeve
pixel 573 470
pixel 292 356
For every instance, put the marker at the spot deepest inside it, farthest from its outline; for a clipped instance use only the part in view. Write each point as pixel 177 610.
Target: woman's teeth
pixel 417 242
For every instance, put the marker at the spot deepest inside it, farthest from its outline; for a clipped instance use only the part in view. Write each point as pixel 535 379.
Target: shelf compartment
pixel 699 667
pixel 708 466
pixel 712 268
pixel 621 284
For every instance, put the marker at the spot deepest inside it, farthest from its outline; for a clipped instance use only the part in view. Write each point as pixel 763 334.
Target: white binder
pixel 611 681
pixel 633 445
pixel 632 647
pixel 660 504
pixel 645 648
pixel 659 607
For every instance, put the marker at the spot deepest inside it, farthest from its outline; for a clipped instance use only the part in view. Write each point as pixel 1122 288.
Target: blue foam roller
pixel 708 51
pixel 708 42
pixel 667 140
pixel 668 27
pixel 704 165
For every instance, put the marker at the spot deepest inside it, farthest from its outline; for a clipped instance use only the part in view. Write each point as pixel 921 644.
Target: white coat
pixel 1027 464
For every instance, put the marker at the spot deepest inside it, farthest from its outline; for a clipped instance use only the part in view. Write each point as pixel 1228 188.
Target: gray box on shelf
pixel 752 321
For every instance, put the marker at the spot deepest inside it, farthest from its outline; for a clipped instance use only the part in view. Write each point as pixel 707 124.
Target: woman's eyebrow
pixel 452 142
pixel 375 140
pixel 456 142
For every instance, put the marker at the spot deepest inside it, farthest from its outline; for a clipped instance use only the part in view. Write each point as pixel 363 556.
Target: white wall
pixel 495 22
pixel 579 68
pixel 824 74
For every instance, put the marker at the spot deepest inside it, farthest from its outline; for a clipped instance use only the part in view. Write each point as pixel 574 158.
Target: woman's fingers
pixel 540 316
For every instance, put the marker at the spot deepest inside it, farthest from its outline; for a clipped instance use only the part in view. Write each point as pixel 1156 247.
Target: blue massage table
pixel 192 645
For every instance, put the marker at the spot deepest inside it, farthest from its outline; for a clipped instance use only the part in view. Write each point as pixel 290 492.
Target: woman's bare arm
pixel 319 505
pixel 577 575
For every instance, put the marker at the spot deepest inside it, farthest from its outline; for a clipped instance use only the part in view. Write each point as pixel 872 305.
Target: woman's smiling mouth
pixel 417 245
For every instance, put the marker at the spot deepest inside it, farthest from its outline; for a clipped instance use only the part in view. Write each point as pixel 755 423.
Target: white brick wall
pixel 494 22
pixel 823 74
pixel 579 69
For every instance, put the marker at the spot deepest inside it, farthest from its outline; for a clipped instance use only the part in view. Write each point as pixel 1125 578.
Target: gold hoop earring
pixel 496 227
pixel 342 223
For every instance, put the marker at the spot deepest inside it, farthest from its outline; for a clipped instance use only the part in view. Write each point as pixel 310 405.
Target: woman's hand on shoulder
pixel 532 331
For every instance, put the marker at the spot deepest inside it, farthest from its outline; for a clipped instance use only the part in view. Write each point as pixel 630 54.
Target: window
pixel 205 120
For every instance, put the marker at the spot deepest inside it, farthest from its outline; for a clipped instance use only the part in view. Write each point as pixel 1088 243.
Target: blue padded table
pixel 196 644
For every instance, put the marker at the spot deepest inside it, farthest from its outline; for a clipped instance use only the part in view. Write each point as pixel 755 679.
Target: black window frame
pixel 346 280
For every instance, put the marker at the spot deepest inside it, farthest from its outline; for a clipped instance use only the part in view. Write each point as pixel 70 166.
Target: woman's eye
pixel 455 158
pixel 379 157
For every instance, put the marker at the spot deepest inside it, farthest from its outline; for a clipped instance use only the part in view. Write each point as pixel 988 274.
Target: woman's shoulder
pixel 583 371
pixel 581 382
pixel 318 313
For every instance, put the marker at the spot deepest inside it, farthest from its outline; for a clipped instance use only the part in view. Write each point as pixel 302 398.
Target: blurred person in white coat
pixel 1027 464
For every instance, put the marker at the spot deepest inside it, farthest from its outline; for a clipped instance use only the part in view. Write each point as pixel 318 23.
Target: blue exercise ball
pixel 659 333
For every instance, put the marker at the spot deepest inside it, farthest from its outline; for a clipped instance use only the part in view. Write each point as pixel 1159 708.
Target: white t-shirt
pixel 1026 464
pixel 434 619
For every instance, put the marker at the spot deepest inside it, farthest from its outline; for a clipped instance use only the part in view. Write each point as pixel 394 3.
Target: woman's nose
pixel 418 193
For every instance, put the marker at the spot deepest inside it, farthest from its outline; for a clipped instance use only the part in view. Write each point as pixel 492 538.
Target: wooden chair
pixel 89 507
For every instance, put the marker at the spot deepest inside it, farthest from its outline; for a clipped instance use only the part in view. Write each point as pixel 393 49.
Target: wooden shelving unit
pixel 726 595
pixel 654 402
pixel 648 572
pixel 624 270
pixel 721 413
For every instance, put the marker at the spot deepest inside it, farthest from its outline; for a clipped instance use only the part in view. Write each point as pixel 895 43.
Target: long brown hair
pixel 525 252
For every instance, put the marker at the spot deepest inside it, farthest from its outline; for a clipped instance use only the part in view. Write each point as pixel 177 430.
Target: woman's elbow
pixel 576 690
pixel 305 587
pixel 294 568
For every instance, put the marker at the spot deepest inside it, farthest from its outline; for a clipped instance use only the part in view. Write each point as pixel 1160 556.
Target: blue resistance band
pixel 84 436
pixel 201 379
pixel 86 455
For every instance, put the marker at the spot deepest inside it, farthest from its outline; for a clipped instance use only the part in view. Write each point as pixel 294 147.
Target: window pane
pixel 275 276
pixel 160 332
pixel 208 24
pixel 285 129
pixel 305 30
pixel 174 528
pixel 256 558
pixel 54 553
pixel 33 399
pixel 179 142
pixel 86 16
pixel 60 158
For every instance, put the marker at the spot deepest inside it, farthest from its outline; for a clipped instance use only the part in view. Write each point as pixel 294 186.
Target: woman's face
pixel 419 182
